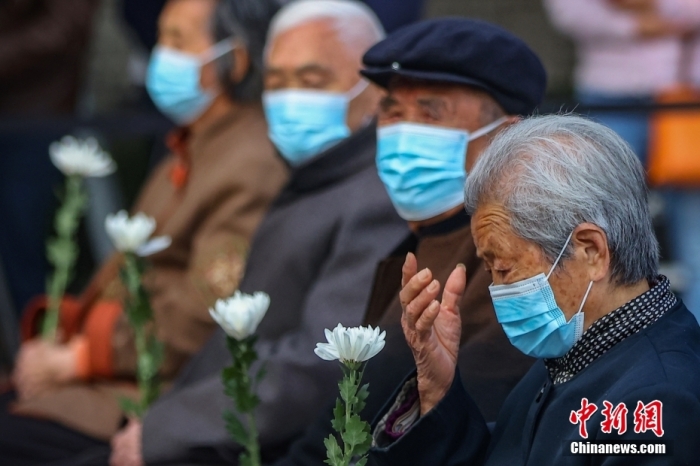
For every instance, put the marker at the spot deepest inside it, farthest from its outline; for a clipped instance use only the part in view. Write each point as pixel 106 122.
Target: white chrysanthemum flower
pixel 355 344
pixel 132 234
pixel 240 314
pixel 81 157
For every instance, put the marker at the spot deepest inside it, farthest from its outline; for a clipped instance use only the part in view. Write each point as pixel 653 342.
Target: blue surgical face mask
pixel 422 166
pixel 173 81
pixel 303 123
pixel 532 319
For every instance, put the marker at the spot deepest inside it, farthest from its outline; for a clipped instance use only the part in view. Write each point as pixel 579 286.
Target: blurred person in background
pixel 315 253
pixel 393 14
pixel 629 51
pixel 43 46
pixel 452 84
pixel 209 196
pixel 397 13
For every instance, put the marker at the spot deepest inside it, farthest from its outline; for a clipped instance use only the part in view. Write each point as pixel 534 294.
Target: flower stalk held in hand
pixel 352 347
pixel 239 316
pixel 77 160
pixel 131 237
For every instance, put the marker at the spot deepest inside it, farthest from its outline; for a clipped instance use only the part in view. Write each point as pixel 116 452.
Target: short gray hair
pixel 246 21
pixel 355 22
pixel 552 173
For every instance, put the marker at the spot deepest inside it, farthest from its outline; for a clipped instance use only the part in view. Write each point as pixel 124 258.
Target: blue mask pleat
pixel 173 84
pixel 532 319
pixel 422 167
pixel 304 123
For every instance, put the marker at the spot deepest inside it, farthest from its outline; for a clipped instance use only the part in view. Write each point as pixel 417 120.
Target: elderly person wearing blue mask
pixel 209 196
pixel 560 217
pixel 315 252
pixel 451 85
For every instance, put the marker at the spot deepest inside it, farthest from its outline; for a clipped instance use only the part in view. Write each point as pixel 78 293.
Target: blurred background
pixel 78 67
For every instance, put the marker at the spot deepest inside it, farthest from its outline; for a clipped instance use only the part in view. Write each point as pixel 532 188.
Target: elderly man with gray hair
pixel 560 217
pixel 314 254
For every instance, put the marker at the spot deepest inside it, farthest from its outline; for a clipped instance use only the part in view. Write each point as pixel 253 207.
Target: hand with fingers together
pixel 432 328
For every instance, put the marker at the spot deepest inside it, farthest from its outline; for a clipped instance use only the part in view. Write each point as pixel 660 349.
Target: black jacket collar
pixel 341 161
pixel 444 227
pixel 459 220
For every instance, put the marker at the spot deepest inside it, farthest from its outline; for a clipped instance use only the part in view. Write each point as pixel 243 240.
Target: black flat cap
pixel 462 51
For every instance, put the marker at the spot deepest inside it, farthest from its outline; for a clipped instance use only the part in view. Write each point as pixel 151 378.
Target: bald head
pixel 318 45
pixel 354 23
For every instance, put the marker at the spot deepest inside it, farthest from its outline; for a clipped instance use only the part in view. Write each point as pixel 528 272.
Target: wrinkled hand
pixel 432 329
pixel 42 366
pixel 126 446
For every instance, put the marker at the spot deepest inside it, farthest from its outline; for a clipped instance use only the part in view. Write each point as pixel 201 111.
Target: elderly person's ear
pixel 591 245
pixel 509 120
pixel 240 65
pixel 512 119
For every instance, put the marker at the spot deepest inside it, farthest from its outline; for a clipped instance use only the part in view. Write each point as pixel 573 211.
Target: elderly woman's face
pixel 184 25
pixel 510 258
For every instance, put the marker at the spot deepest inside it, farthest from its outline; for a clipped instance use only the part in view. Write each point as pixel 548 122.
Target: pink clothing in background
pixel 612 59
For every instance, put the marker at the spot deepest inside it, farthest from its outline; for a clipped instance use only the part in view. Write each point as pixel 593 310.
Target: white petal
pixel 129 234
pixel 357 344
pixel 326 351
pixel 84 158
pixel 241 314
pixel 154 245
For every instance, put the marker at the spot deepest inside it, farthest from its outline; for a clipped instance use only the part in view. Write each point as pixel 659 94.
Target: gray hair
pixel 246 21
pixel 355 22
pixel 552 173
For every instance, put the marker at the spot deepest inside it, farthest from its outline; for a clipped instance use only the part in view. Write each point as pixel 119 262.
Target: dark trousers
pixel 26 441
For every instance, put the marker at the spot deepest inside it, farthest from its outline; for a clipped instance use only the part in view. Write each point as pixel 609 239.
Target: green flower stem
pixel 239 386
pixel 348 413
pixel 253 447
pixel 62 252
pixel 353 431
pixel 149 351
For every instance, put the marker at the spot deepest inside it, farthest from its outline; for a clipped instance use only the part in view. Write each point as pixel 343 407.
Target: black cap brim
pixel 382 77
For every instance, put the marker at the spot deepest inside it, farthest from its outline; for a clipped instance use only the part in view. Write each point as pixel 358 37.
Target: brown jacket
pixel 232 175
pixel 489 364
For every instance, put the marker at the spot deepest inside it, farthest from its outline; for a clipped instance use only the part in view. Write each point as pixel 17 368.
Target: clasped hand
pixel 432 328
pixel 41 367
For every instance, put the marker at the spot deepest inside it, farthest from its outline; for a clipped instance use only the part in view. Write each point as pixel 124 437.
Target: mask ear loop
pixel 357 89
pixel 487 129
pixel 579 328
pixel 585 297
pixel 559 256
pixel 218 50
